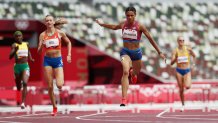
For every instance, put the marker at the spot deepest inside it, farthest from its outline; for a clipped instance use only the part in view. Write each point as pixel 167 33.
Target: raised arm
pixel 151 40
pixel 40 45
pixel 68 42
pixel 110 26
pixel 173 57
pixel 13 51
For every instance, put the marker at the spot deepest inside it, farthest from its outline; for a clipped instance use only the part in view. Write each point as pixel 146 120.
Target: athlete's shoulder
pixel 175 50
pixel 42 34
pixel 59 31
pixel 25 42
pixel 14 44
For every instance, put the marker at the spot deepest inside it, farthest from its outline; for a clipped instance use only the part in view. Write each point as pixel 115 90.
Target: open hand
pixel 69 59
pixel 98 21
pixel 163 56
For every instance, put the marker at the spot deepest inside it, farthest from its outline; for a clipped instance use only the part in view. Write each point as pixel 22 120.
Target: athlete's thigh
pixel 48 72
pixel 187 80
pixel 25 75
pixel 59 75
pixel 126 62
pixel 137 65
pixel 179 79
pixel 18 79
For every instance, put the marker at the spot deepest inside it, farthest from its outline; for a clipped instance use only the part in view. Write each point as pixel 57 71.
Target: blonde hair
pixel 58 22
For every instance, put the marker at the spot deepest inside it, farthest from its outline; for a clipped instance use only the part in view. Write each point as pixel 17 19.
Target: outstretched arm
pixel 151 40
pixel 110 26
pixel 67 40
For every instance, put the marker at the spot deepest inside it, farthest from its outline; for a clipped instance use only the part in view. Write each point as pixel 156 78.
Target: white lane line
pixel 193 115
pixel 46 117
pixel 87 117
pixel 161 113
pixel 12 122
pixel 82 116
pixel 133 121
pixel 24 115
pixel 206 119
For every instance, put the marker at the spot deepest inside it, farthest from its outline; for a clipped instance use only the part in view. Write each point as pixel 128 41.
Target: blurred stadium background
pixel 94 75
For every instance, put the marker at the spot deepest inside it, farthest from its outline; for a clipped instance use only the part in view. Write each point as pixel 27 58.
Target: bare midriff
pixel 21 60
pixel 131 45
pixel 183 65
pixel 53 53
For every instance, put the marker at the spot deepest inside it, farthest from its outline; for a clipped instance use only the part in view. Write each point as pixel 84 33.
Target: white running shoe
pixel 22 106
pixel 182 108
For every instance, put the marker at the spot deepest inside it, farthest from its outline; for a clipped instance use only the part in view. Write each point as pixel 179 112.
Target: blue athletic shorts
pixel 183 71
pixel 53 62
pixel 133 54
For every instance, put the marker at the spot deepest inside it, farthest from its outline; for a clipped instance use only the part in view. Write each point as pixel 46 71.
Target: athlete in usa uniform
pixel 131 53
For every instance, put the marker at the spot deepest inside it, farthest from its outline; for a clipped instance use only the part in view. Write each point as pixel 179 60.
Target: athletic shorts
pixel 53 62
pixel 183 71
pixel 19 68
pixel 133 54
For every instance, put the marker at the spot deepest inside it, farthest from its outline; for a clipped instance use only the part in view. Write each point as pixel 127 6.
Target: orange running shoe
pixel 123 102
pixel 55 110
pixel 133 78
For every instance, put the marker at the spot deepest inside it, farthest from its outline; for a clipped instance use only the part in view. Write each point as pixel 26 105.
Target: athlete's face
pixel 180 41
pixel 18 38
pixel 49 21
pixel 130 16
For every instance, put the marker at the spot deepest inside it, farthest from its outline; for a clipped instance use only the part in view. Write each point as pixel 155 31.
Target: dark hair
pixel 130 9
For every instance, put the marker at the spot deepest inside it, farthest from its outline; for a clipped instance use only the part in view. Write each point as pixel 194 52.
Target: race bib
pixel 22 53
pixel 182 59
pixel 52 43
pixel 129 33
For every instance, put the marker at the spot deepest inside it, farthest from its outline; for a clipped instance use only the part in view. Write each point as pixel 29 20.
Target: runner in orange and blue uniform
pixel 131 54
pixel 50 40
pixel 181 56
pixel 20 50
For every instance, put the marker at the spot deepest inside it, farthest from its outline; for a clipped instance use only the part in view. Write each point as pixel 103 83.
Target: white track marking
pixel 190 117
pixel 193 115
pixel 80 117
pixel 207 119
pixel 46 117
pixel 164 111
pixel 24 115
pixel 85 117
pixel 12 122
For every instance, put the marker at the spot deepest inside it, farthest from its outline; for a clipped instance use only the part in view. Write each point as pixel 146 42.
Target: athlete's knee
pixel 24 84
pixel 181 90
pixel 50 88
pixel 187 87
pixel 18 88
pixel 125 72
pixel 59 87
